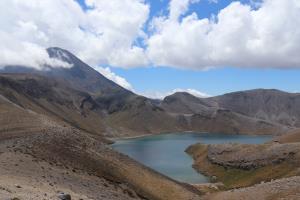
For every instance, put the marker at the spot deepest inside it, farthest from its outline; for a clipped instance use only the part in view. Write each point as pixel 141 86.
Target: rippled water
pixel 166 153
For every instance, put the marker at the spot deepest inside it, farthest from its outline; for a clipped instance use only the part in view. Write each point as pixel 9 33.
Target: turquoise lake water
pixel 165 153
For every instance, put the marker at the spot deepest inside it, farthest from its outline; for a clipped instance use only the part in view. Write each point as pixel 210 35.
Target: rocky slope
pixel 281 189
pixel 244 165
pixel 42 156
pixel 207 115
pixel 240 165
pixel 138 115
pixel 289 137
pixel 249 156
pixel 53 98
pixel 270 105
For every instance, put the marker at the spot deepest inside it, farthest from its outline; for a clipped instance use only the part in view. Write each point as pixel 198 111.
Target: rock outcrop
pixel 249 156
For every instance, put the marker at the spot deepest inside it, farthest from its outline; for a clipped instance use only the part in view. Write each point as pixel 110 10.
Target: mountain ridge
pixel 122 113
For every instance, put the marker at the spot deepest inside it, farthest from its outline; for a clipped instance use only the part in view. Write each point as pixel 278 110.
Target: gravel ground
pixel 281 189
pixel 24 177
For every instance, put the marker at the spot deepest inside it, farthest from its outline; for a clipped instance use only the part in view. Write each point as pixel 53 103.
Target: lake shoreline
pixel 166 152
pixel 114 139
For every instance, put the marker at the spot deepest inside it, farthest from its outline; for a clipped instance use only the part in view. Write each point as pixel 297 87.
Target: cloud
pixel 26 54
pixel 103 34
pixel 114 77
pixel 179 7
pixel 162 95
pixel 213 1
pixel 106 71
pixel 262 33
pixel 194 92
pixel 239 36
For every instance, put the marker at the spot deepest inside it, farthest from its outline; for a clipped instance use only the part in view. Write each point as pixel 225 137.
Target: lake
pixel 165 153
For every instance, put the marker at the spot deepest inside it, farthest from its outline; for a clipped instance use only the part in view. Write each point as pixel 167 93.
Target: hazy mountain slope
pixel 226 121
pixel 141 116
pixel 185 103
pixel 270 105
pixel 205 114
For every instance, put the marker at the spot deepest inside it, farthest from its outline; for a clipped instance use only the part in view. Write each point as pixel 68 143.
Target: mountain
pixel 207 115
pixel 79 75
pixel 271 105
pixel 61 120
pixel 185 103
pixel 95 104
pixel 53 98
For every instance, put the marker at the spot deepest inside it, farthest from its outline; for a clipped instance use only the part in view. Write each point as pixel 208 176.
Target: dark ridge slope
pixel 271 105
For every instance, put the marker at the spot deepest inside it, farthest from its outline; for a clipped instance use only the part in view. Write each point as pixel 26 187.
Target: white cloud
pixel 26 54
pixel 162 95
pixel 106 71
pixel 179 7
pixel 192 92
pixel 104 34
pixel 263 33
pixel 213 1
pixel 239 36
pixel 114 77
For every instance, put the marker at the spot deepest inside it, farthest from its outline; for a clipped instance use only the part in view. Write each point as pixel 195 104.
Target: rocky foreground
pixel 283 189
pixel 41 158
pixel 265 171
pixel 248 156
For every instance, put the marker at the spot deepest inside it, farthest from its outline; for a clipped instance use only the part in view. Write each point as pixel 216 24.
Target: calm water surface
pixel 166 153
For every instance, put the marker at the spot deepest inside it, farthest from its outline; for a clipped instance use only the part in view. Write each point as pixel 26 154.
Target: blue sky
pixel 213 81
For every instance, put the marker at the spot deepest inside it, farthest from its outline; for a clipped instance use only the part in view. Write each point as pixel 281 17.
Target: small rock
pixel 17 186
pixel 63 196
pixel 213 178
